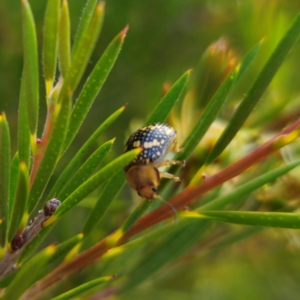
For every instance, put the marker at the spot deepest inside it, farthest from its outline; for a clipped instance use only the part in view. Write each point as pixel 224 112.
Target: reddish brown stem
pixel 161 213
pixel 37 159
pixel 192 193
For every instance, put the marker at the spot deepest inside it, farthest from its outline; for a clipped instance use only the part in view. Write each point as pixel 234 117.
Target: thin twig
pixel 20 241
pixel 161 213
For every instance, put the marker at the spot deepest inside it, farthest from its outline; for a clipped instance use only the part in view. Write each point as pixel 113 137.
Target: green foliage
pixel 30 67
pixel 257 89
pixel 250 158
pixel 4 177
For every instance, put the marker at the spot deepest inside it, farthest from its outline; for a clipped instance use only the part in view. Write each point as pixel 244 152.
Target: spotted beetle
pixel 142 173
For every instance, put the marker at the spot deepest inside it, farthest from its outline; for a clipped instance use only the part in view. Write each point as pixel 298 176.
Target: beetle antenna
pixel 171 207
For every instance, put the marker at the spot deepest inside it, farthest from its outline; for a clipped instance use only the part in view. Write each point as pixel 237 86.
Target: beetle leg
pixel 168 163
pixel 175 147
pixel 169 176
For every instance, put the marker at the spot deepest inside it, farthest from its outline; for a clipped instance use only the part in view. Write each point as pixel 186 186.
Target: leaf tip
pixel 23 166
pixel 188 72
pixel 124 32
pixel 2 117
pixel 262 40
pixel 112 140
pixel 100 7
pixel 50 250
pixel 49 221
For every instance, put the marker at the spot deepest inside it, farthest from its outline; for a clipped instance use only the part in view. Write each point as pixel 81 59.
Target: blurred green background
pixel 165 39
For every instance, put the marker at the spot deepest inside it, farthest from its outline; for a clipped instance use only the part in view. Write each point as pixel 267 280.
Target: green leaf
pixel 209 115
pixel 76 160
pixel 23 125
pixel 93 85
pixel 50 42
pixel 31 70
pixel 84 22
pixel 5 281
pixel 164 107
pixel 248 187
pixel 92 183
pixel 14 175
pixel 4 177
pixel 109 192
pixel 257 89
pixel 34 244
pixel 214 107
pixel 113 187
pixel 82 288
pixel 265 219
pixel 247 60
pixel 20 202
pixel 159 114
pixel 173 245
pixel 64 44
pixel 86 170
pixel 135 215
pixel 52 153
pixel 61 250
pixel 81 56
pixel 25 276
pixel 180 239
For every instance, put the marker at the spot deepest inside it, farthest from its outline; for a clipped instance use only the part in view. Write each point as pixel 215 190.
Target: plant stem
pixel 161 213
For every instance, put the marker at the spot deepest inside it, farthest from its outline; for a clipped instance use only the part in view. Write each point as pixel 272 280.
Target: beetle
pixel 142 172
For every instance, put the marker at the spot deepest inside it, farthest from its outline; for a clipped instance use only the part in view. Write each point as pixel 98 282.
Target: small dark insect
pixel 17 242
pixel 51 206
pixel 142 173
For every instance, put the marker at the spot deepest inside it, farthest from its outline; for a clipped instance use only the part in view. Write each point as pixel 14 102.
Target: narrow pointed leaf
pixel 14 175
pixel 265 219
pixel 166 250
pixel 86 170
pixel 92 183
pixel 62 249
pixel 81 56
pixel 257 89
pixel 23 125
pixel 76 160
pixel 188 232
pixel 25 276
pixel 5 281
pixel 159 114
pixel 109 192
pixel 31 71
pixel 164 107
pixel 210 113
pixel 50 42
pixel 52 153
pixel 84 22
pixel 82 288
pixel 64 44
pixel 215 105
pixel 20 202
pixel 93 85
pixel 135 215
pixel 4 177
